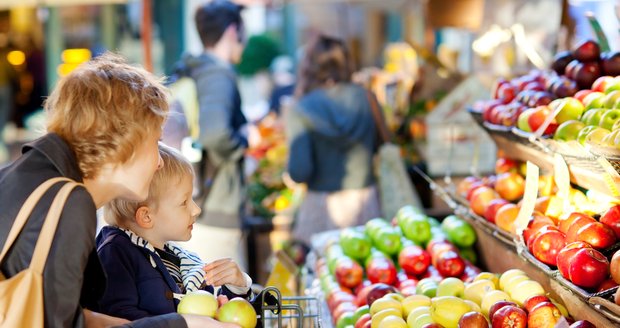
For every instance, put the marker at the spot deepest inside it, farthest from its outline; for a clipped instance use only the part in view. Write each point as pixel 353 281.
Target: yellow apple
pixel 489 276
pixel 417 312
pixel 473 306
pixel 392 321
pixel 526 289
pixel 421 321
pixel 447 310
pixel 513 282
pixel 475 290
pixel 199 302
pixel 379 316
pixel 491 298
pixel 386 303
pixel 413 302
pixel 507 275
pixel 451 287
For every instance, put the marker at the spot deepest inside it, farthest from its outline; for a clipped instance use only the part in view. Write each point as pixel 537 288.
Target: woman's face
pixel 136 174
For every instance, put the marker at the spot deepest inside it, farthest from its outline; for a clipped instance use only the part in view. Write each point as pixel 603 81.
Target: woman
pixel 333 139
pixel 104 123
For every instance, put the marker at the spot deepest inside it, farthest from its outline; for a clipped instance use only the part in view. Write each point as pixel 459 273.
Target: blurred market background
pixel 425 60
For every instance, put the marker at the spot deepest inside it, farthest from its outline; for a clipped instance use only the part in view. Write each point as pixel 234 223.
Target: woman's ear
pixel 143 217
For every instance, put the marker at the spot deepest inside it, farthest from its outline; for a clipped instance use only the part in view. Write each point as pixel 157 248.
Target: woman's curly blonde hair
pixel 104 109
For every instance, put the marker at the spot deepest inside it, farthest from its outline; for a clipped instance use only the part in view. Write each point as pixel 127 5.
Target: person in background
pixel 104 123
pixel 221 121
pixel 284 82
pixel 143 267
pixel 332 140
pixel 6 100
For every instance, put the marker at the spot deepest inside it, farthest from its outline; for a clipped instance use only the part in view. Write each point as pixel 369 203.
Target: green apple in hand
pixel 609 118
pixel 570 109
pixel 568 130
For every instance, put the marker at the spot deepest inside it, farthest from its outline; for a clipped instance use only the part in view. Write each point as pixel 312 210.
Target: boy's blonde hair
pixel 175 168
pixel 104 110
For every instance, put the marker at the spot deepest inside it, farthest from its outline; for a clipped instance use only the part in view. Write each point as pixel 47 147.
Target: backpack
pixel 21 296
pixel 182 130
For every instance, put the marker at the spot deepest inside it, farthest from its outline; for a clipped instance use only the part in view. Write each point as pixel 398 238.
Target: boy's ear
pixel 143 217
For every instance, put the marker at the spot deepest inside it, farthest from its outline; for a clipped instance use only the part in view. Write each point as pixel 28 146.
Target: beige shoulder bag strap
pixel 44 243
pixel 24 212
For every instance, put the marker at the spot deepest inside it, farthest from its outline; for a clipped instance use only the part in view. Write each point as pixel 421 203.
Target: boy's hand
pixel 224 271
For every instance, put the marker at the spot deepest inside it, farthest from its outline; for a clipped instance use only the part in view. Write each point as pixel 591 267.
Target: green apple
pixel 594 100
pixel 355 243
pixel 595 137
pixel 612 85
pixel 374 225
pixel 522 123
pixel 387 240
pixel 583 133
pixel 417 229
pixel 451 287
pixel 570 109
pixel 199 302
pixel 586 116
pixel 609 118
pixel 611 99
pixel 360 312
pixel 595 117
pixel 568 130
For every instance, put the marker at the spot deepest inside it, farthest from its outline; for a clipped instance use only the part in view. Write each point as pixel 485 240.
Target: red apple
pixel 614 267
pixel 611 218
pixel 565 255
pixel 597 235
pixel 610 63
pixel 493 207
pixel 510 186
pixel 498 305
pixel 560 60
pixel 566 220
pixel 587 51
pixel 544 314
pixel 531 302
pixel 547 245
pixel 578 223
pixel 348 272
pixel 588 268
pixel 607 284
pixel 473 320
pixel 472 189
pixel 582 324
pixel 509 317
pixel 538 117
pixel 601 83
pixel 537 222
pixel 381 269
pixel 362 320
pixel 377 291
pixel 410 282
pixel 464 185
pixel 414 260
pixel 506 92
pixel 581 94
pixel 530 241
pixel 489 107
pixel 586 73
pixel 496 85
pixel 338 297
pixel 342 309
pixel 361 296
pixel 481 198
pixel 449 264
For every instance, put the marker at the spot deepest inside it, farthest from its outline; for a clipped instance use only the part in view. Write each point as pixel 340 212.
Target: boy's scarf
pixel 192 271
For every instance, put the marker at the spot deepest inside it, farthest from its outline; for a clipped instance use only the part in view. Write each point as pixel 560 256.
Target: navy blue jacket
pixel 135 289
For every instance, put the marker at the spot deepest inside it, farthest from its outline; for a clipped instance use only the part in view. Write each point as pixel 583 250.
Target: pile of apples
pixel 511 299
pixel 583 86
pixel 367 262
pixel 237 310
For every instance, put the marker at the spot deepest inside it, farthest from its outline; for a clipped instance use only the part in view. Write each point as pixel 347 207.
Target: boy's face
pixel 175 213
pixel 136 174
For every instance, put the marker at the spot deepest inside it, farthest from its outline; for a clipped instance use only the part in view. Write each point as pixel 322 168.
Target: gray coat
pixel 221 120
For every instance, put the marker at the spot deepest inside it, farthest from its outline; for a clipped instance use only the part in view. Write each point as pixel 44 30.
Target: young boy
pixel 146 273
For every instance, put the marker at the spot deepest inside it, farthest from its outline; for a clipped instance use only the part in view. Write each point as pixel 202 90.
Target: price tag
pixel 610 176
pixel 529 198
pixel 562 180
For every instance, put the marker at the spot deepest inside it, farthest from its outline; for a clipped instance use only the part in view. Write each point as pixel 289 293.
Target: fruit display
pixel 510 299
pixel 578 94
pixel 267 191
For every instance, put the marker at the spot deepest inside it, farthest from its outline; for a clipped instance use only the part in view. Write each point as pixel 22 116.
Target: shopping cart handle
pixel 266 298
